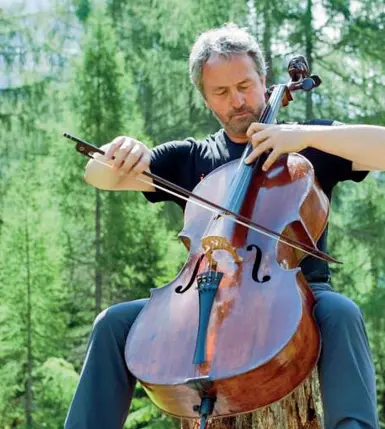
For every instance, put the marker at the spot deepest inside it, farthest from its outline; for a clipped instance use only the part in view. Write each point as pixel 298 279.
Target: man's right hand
pixel 127 158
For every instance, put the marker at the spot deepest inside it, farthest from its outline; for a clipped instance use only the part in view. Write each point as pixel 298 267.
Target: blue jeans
pixel 103 395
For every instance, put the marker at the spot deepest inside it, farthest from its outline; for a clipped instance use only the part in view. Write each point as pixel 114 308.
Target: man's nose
pixel 237 99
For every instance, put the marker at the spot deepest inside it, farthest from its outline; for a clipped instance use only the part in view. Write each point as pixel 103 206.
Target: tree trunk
pixel 300 410
pixel 267 35
pixel 98 251
pixel 28 375
pixel 308 24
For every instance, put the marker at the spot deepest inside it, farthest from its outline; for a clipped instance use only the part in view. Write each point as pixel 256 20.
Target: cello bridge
pixel 212 243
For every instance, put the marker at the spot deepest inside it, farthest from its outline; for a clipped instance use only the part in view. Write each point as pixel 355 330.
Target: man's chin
pixel 240 126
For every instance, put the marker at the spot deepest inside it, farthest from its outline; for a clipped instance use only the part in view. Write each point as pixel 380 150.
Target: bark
pixel 28 375
pixel 98 251
pixel 266 43
pixel 309 54
pixel 300 410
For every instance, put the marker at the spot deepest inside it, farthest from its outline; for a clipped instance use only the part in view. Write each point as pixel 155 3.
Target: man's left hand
pixel 280 139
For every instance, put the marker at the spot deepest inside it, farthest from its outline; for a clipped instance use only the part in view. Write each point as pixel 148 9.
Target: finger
pixel 271 159
pixel 122 153
pixel 142 165
pixel 114 146
pixel 255 127
pixel 132 158
pixel 263 147
pixel 260 137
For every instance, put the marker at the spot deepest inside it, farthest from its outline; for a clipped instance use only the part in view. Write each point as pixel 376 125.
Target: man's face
pixel 234 92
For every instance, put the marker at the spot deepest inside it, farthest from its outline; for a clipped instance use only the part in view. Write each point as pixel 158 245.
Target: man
pixel 227 67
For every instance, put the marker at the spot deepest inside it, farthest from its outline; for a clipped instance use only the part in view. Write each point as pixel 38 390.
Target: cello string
pixel 244 180
pixel 231 217
pixel 218 212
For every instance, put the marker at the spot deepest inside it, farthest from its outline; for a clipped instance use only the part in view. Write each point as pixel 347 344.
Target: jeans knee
pixel 337 310
pixel 349 312
pixel 99 318
pixel 118 317
pixel 105 323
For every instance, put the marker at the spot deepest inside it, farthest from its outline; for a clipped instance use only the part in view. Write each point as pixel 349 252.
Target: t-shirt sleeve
pixel 346 171
pixel 169 161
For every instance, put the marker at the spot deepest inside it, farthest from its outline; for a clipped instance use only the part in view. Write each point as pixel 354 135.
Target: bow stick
pixel 89 150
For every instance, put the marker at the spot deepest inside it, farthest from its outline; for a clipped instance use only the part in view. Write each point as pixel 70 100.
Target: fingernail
pixel 247 161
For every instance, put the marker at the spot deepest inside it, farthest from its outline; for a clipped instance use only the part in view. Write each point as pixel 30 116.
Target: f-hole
pixel 257 263
pixel 180 289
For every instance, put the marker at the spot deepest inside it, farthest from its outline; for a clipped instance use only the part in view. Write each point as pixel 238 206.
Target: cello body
pixel 261 340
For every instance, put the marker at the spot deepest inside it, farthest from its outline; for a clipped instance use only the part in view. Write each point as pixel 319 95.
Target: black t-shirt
pixel 186 162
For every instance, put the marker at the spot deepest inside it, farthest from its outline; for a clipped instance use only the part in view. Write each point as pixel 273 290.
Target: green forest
pixel 100 69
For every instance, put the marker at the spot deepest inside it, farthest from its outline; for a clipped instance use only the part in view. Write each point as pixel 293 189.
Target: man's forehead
pixel 220 70
pixel 217 57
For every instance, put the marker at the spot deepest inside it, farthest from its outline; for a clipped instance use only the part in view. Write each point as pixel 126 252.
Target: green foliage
pixel 99 98
pixel 56 383
pixel 355 237
pixel 83 9
pixel 30 284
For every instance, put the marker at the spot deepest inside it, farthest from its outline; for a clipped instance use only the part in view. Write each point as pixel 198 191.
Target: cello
pixel 234 331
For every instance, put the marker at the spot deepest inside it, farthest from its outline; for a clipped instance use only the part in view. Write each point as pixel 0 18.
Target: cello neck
pixel 242 179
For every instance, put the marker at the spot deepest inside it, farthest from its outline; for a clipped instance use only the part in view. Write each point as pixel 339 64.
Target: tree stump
pixel 302 409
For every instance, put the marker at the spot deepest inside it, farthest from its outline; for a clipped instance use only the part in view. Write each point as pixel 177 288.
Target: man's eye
pixel 222 92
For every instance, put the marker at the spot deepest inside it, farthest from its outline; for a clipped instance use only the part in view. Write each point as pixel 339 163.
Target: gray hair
pixel 226 40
